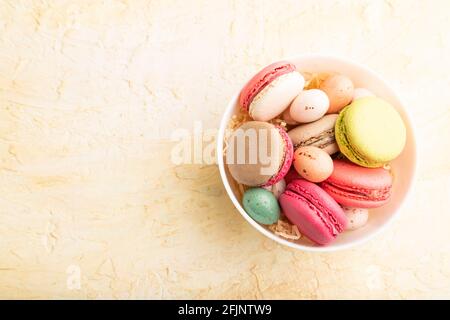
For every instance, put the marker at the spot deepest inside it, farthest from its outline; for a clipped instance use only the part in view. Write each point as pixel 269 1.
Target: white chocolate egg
pixel 310 105
pixel 356 217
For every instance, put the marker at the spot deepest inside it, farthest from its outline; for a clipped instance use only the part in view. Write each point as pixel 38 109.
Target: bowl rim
pixel 220 162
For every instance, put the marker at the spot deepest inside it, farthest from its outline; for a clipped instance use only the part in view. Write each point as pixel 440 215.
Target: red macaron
pixel 360 187
pixel 316 214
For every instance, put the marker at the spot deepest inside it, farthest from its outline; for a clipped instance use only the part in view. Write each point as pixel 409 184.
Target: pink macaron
pixel 316 214
pixel 360 187
pixel 271 91
pixel 288 158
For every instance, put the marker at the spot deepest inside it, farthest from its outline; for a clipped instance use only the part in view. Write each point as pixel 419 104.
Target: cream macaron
pixel 259 154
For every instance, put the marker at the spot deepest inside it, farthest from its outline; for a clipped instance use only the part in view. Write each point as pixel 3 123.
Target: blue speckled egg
pixel 261 205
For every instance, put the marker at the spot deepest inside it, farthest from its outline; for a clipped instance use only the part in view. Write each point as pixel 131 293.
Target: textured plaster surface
pixel 91 205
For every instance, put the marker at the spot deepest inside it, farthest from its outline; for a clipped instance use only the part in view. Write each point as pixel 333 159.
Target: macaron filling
pixel 325 215
pixel 264 81
pixel 287 160
pixel 322 140
pixel 358 193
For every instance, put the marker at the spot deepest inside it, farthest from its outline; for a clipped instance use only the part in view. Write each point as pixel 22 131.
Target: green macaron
pixel 261 205
pixel 370 132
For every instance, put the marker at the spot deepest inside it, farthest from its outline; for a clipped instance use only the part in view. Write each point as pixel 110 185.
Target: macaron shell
pixel 331 149
pixel 313 211
pixel 257 173
pixel 349 174
pixel 262 79
pixel 319 134
pixel 276 96
pixel 370 132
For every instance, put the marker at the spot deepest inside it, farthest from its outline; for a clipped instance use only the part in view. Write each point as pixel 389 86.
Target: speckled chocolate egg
pixel 339 90
pixel 261 205
pixel 310 105
pixel 313 163
pixel 356 217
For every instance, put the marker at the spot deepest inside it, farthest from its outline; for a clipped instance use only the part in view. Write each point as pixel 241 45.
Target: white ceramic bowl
pixel 403 167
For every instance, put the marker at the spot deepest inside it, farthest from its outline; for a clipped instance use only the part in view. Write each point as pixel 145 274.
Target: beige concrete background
pixel 92 207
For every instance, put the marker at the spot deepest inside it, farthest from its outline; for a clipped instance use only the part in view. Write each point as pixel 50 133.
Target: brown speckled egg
pixel 313 163
pixel 339 90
